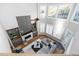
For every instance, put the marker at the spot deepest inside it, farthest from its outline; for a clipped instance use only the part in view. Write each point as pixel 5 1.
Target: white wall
pixel 73 47
pixel 9 11
pixel 75 44
pixel 4 43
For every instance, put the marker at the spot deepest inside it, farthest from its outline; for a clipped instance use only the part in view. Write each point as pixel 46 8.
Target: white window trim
pixel 55 18
pixel 74 15
pixel 68 14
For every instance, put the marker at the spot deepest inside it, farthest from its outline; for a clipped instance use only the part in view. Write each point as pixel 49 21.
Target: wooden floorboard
pixel 36 38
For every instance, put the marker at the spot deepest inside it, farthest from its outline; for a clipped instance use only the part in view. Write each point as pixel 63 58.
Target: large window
pixel 75 17
pixel 52 11
pixel 59 28
pixel 63 11
pixel 67 38
pixel 58 11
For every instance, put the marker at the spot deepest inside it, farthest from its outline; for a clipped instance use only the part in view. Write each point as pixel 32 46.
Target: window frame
pixel 72 18
pixel 56 18
pixel 71 6
pixel 55 14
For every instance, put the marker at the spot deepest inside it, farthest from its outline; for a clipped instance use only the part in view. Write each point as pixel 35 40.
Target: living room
pixel 39 28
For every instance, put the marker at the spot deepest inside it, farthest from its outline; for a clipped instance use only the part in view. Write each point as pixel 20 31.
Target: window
pixel 67 38
pixel 75 17
pixel 42 27
pixel 63 11
pixel 49 29
pixel 52 11
pixel 59 28
pixel 56 11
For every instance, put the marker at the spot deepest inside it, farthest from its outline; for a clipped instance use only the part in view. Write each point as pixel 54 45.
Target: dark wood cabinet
pixel 15 36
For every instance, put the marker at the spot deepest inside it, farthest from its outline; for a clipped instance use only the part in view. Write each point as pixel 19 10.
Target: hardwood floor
pixel 57 51
pixel 30 41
